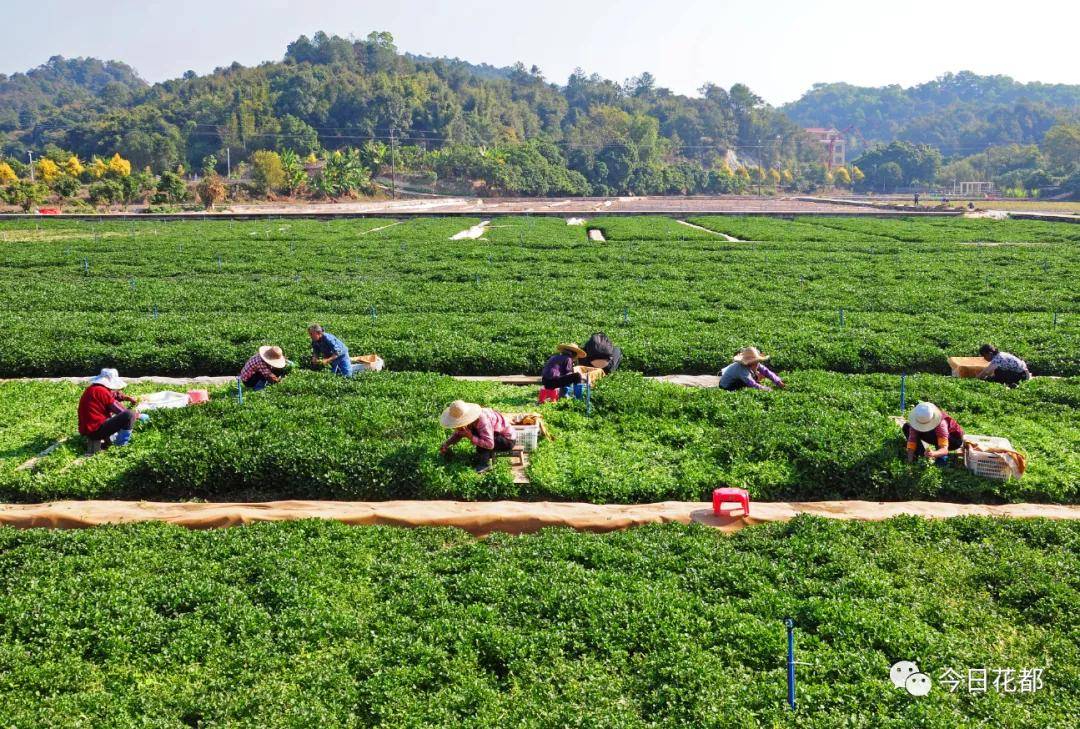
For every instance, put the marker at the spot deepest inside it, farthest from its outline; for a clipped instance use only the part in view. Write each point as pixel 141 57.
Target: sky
pixel 779 48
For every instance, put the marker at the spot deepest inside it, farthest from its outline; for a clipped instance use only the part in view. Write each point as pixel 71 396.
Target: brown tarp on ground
pixel 482 518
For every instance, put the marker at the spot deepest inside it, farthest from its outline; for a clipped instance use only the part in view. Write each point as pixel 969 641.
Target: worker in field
pixel 487 429
pixel 932 432
pixel 747 369
pixel 1008 369
pixel 265 368
pixel 326 349
pixel 103 420
pixel 559 370
pixel 601 353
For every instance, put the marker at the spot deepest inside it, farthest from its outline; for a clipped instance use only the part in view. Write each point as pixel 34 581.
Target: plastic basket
pixel 527 436
pixel 988 465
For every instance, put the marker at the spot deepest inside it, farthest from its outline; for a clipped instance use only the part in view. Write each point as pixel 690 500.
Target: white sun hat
pixel 925 416
pixel 460 413
pixel 110 378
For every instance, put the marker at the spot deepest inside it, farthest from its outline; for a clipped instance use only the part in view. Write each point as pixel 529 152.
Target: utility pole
pixel 393 166
pixel 29 152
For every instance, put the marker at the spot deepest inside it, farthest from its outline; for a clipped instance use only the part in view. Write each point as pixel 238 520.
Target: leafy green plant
pixel 321 624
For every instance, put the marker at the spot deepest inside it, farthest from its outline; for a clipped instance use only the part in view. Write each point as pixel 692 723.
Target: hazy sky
pixel 778 48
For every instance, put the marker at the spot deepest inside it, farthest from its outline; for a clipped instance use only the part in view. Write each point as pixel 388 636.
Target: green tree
pixel 26 194
pixel 296 176
pixel 105 192
pixel 267 173
pixel 1061 145
pixel 65 187
pixel 171 189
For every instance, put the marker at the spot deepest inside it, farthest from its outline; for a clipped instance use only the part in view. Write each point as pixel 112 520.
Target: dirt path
pixel 483 518
pixel 725 236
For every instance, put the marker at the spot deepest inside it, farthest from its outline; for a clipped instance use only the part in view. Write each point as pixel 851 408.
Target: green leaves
pixel 318 623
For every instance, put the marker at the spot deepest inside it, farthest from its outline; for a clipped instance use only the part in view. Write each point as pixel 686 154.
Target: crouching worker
pixel 266 367
pixel 101 416
pixel 326 349
pixel 488 429
pixel 1005 368
pixel 746 370
pixel 559 371
pixel 932 432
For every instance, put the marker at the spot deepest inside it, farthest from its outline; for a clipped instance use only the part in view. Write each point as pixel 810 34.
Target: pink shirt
pixel 482 430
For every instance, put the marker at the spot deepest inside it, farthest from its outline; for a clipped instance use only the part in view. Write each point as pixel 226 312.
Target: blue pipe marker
pixel 374 313
pixel 790 624
pixel 903 393
pixel 155 311
pixel 86 266
pixel 239 392
pixel 588 396
pixel 626 315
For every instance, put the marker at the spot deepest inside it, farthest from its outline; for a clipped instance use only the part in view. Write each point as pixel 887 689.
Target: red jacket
pixel 95 406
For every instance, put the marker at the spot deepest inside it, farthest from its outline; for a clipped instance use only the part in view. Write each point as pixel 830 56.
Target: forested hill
pixel 957 113
pixel 329 92
pixel 28 98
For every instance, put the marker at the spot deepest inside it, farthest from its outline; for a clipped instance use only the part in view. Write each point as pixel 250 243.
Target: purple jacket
pixel 558 365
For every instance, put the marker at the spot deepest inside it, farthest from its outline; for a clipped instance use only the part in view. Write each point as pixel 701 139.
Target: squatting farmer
pixel 559 371
pixel 932 432
pixel 326 349
pixel 101 416
pixel 1008 369
pixel 488 429
pixel 747 369
pixel 266 367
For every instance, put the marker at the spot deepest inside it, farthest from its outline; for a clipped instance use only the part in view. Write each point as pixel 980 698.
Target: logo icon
pixel 906 675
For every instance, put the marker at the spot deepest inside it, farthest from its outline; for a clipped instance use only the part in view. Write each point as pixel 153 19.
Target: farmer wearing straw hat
pixel 101 416
pixel 264 368
pixel 746 370
pixel 326 349
pixel 559 371
pixel 488 429
pixel 929 426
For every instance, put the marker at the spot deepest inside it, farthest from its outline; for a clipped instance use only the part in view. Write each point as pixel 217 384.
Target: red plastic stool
pixel 546 394
pixel 730 496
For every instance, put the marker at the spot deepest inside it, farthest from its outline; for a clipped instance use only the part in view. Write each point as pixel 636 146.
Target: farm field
pixel 319 624
pixel 316 436
pixel 199 297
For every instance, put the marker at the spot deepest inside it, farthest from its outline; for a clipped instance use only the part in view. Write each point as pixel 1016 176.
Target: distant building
pixel 833 145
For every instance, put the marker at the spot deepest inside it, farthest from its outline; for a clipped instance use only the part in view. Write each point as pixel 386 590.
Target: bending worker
pixel 929 426
pixel 1008 369
pixel 326 349
pixel 101 416
pixel 488 429
pixel 559 371
pixel 266 367
pixel 746 370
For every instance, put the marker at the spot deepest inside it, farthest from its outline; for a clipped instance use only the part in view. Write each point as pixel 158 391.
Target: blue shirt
pixel 329 346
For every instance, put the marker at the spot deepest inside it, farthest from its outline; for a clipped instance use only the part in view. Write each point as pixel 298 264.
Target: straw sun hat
pixel 459 413
pixel 273 356
pixel 749 356
pixel 925 416
pixel 571 349
pixel 110 378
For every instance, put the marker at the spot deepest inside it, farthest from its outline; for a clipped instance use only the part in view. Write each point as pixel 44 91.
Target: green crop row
pixel 199 297
pixel 375 437
pixel 320 624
